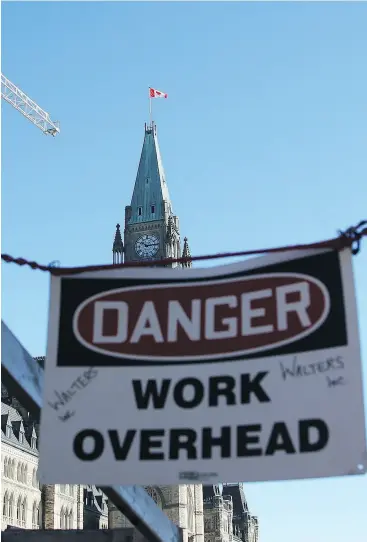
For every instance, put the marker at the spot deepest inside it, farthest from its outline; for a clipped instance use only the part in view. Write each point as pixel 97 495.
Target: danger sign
pixel 180 321
pixel 249 371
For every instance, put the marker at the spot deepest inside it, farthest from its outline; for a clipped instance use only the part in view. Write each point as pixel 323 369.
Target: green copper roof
pixel 150 197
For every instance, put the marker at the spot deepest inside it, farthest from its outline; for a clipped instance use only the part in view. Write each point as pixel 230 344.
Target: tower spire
pixel 118 247
pixel 150 200
pixel 186 254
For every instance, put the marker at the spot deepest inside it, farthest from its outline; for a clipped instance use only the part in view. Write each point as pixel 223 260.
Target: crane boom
pixel 22 103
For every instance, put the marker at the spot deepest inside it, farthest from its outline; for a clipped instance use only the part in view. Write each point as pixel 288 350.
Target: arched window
pixel 11 508
pixel 6 467
pixel 34 515
pixel 62 518
pixel 19 510
pixel 24 512
pixel 25 474
pixel 19 472
pixel 70 526
pixel 11 469
pixel 190 511
pixel 5 505
pixel 71 490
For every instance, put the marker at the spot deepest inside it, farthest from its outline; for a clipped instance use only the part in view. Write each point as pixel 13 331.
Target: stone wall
pixel 19 484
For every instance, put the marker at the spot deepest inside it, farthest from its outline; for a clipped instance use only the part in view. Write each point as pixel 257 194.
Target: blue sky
pixel 263 139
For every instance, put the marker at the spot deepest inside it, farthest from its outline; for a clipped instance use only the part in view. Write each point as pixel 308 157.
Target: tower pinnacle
pixel 186 254
pixel 118 246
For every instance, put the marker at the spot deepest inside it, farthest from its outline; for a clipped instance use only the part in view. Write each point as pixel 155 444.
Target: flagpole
pixel 150 109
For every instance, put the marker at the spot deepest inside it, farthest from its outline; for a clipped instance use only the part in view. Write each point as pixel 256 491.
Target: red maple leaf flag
pixel 153 93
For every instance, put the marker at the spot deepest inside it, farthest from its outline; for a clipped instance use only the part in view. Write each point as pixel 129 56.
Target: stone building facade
pixel 218 515
pixel 226 515
pixel 25 503
pixel 245 525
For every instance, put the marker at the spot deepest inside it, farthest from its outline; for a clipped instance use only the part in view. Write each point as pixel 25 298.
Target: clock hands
pixel 147 245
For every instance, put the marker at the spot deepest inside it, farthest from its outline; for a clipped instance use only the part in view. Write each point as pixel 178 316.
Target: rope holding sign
pixel 349 238
pixel 354 235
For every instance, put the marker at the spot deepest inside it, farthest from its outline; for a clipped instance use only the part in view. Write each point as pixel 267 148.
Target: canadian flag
pixel 153 93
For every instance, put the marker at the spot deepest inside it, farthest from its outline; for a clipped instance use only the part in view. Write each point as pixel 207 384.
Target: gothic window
pixel 63 488
pixel 19 509
pixel 34 443
pixel 13 470
pixel 152 208
pixel 62 518
pixel 153 493
pixel 66 518
pixel 140 210
pixel 24 512
pixel 19 472
pixel 21 437
pixel 190 511
pixel 25 474
pixel 10 468
pixel 71 490
pixel 11 508
pixel 34 516
pixel 5 505
pixel 6 467
pixel 207 525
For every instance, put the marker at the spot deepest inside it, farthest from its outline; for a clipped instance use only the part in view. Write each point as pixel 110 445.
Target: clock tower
pixel 151 230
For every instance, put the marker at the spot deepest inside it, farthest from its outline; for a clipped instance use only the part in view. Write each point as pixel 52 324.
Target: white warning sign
pixel 249 371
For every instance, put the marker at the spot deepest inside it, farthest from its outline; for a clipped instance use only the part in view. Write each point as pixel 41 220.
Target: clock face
pixel 147 246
